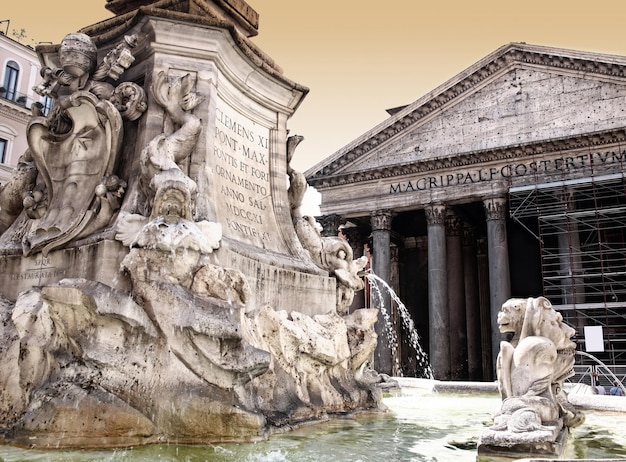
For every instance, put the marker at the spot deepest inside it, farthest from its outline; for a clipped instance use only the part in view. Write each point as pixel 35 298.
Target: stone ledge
pixel 438 386
pixel 598 402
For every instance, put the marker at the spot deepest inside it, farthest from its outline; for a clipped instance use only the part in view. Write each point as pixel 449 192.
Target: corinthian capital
pixel 454 225
pixel 495 208
pixel 435 214
pixel 381 220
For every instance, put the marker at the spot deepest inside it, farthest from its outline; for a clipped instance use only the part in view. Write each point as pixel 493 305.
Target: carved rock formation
pixel 159 340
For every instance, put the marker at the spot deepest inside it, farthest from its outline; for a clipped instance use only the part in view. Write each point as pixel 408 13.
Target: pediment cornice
pixel 607 67
pixel 495 155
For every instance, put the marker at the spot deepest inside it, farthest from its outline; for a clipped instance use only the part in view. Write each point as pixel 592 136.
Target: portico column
pixel 456 298
pixel 438 316
pixel 498 257
pixel 381 267
pixel 485 309
pixel 472 308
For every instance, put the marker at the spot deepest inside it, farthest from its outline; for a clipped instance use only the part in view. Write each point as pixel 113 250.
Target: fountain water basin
pixel 426 420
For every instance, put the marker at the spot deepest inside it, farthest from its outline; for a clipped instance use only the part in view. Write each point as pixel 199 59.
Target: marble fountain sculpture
pixel 159 281
pixel 535 415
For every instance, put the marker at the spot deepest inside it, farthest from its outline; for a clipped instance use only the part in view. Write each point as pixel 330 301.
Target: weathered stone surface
pixel 549 443
pixel 236 12
pixel 12 398
pixel 317 363
pixel 100 419
pixel 18 273
pixel 154 284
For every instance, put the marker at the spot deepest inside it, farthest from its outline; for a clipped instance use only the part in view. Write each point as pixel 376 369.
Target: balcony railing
pixel 18 98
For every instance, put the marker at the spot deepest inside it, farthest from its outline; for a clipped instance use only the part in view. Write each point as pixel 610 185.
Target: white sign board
pixel 594 340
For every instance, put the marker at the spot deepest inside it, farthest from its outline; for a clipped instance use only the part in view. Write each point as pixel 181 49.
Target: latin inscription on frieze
pixel 242 172
pixel 561 165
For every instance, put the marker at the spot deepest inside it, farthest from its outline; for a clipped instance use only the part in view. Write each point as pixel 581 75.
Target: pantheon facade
pixel 505 181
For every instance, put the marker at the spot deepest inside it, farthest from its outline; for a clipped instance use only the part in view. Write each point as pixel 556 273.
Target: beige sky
pixel 361 57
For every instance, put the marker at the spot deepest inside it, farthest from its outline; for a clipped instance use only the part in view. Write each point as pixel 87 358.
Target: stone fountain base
pixel 158 280
pixel 85 366
pixel 548 443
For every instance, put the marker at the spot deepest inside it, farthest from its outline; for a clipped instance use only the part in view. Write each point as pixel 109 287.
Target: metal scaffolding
pixel 581 227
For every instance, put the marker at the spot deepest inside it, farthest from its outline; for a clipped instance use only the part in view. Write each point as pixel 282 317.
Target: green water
pixel 431 428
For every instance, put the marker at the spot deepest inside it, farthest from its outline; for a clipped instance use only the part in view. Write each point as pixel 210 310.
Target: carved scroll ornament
pixel 66 180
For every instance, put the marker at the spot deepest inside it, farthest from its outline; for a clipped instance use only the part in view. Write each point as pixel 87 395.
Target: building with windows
pixel 506 181
pixel 19 73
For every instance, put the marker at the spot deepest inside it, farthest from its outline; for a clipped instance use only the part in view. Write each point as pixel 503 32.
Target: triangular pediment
pixel 519 95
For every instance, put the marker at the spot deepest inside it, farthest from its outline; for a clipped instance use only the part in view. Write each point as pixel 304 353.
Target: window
pixel 46 103
pixel 4 145
pixel 11 74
